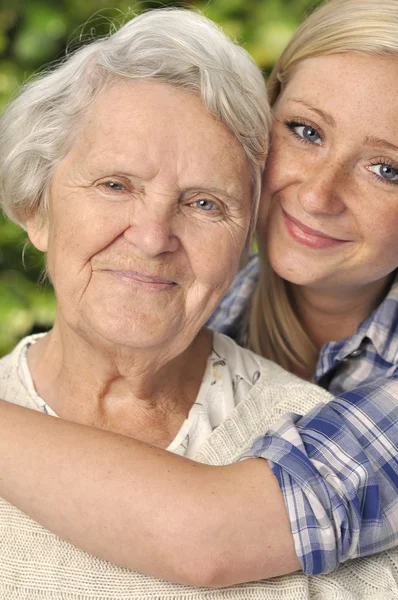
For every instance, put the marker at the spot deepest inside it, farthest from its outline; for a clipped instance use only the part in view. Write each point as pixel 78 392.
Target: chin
pixel 297 274
pixel 134 331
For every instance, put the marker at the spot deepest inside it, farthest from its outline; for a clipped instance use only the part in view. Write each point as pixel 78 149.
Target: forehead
pixel 154 129
pixel 355 88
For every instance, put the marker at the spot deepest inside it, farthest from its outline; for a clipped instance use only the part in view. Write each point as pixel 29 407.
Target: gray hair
pixel 174 46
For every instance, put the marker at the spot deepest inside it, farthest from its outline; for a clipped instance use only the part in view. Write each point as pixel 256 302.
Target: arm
pixel 215 525
pixel 143 507
pixel 338 469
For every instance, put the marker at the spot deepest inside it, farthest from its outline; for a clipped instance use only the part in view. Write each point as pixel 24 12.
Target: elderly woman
pixel 108 162
pixel 135 167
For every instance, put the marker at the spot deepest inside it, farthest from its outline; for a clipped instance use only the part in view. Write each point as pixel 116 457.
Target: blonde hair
pixel 360 26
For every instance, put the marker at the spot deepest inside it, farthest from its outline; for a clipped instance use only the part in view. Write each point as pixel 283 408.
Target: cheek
pixel 76 236
pixel 287 163
pixel 381 233
pixel 276 172
pixel 214 256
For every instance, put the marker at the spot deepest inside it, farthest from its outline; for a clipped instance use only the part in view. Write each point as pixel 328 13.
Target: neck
pixel 329 315
pixel 140 393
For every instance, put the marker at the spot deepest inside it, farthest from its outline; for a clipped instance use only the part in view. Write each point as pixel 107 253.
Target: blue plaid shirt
pixel 337 466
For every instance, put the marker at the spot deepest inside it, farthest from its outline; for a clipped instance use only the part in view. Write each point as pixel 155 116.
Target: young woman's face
pixel 332 175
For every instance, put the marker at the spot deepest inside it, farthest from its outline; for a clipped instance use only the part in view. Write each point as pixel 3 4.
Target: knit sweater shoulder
pixel 37 565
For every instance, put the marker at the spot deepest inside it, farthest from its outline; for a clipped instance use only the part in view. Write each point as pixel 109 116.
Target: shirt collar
pixel 380 329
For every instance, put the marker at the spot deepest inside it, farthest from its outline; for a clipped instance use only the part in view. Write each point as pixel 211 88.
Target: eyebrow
pixel 374 141
pixel 324 115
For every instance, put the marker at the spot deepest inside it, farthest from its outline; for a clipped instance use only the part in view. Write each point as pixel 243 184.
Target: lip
pixel 307 236
pixel 143 280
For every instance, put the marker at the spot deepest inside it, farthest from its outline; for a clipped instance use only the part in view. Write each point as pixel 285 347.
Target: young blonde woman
pixel 325 307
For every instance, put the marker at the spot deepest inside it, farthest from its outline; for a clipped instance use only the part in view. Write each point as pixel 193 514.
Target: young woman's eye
pixel 205 205
pixel 305 132
pixel 385 172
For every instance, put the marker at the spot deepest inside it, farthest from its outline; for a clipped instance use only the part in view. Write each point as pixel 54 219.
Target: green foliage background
pixel 36 32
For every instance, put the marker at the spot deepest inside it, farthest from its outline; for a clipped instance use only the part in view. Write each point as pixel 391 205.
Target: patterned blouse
pixel 230 374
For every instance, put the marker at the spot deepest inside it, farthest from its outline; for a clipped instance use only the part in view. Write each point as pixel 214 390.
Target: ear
pixel 37 229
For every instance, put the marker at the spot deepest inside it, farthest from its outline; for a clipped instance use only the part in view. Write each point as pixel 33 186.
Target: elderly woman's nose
pixel 151 235
pixel 323 189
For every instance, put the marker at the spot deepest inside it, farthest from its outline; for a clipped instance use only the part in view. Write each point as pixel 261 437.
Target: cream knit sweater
pixel 37 565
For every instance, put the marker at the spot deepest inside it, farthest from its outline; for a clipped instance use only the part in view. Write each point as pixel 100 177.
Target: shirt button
pixel 356 352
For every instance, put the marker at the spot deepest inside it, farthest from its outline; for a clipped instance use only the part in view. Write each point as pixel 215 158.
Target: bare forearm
pixel 143 507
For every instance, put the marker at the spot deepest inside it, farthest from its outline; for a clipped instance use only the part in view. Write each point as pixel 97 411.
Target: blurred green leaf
pixel 38 38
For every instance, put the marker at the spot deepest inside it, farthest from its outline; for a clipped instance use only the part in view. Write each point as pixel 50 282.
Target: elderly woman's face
pixel 149 214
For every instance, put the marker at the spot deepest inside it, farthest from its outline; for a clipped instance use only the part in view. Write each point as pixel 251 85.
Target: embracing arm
pixel 338 468
pixel 143 507
pixel 165 515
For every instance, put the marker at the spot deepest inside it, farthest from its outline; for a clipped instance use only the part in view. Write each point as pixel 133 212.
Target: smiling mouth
pixel 307 236
pixel 141 279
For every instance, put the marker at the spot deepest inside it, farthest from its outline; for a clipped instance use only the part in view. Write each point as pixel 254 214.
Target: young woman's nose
pixel 322 190
pixel 151 232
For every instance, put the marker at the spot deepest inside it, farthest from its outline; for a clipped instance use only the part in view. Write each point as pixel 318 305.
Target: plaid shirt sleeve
pixel 337 468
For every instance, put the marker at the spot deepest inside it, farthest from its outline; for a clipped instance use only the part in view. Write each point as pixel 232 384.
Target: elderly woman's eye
pixel 206 205
pixel 305 132
pixel 385 172
pixel 115 186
